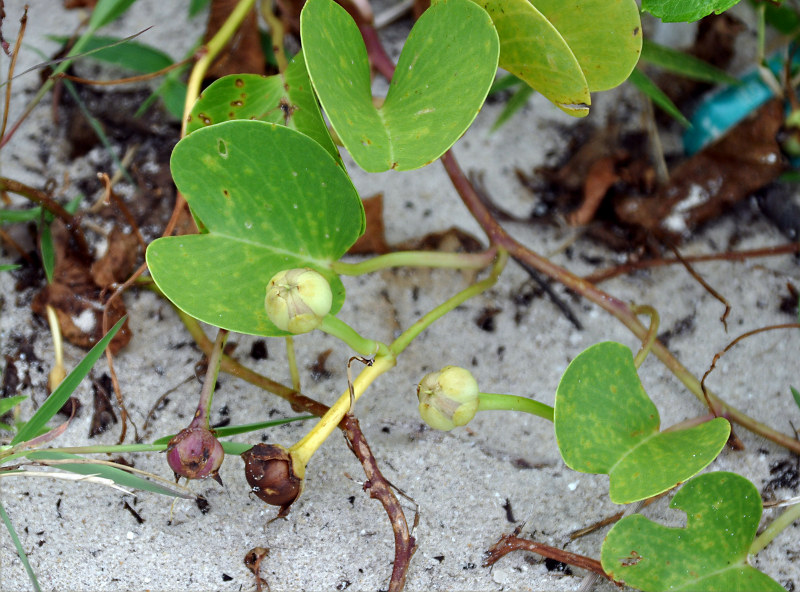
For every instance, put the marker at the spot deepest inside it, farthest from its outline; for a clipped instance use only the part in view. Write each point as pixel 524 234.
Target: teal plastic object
pixel 724 109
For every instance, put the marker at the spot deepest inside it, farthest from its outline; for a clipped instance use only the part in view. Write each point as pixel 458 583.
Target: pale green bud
pixel 448 398
pixel 298 300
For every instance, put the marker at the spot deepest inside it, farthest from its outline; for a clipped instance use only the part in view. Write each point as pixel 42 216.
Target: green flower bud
pixel 298 300
pixel 448 398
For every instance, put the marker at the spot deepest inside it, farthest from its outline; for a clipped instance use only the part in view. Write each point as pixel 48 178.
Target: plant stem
pixel 209 52
pixel 333 325
pixel 203 413
pixel 292 359
pixel 498 402
pixel 622 312
pixel 652 332
pixel 304 449
pixel 417 259
pixel 276 34
pixel 775 527
pixel 405 338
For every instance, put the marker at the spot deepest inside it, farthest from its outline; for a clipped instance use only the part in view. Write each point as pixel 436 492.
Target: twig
pixel 606 274
pixel 511 542
pixel 23 24
pixel 705 284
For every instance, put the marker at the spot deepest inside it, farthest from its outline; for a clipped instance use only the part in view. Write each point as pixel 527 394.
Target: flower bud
pixel 195 453
pixel 448 398
pixel 270 471
pixel 298 300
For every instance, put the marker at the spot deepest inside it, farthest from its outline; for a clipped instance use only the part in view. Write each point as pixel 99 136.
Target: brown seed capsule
pixel 270 472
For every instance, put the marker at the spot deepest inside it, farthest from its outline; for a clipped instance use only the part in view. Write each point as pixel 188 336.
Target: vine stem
pixel 621 311
pixel 498 402
pixel 305 447
pixel 417 259
pixel 203 413
pixel 775 527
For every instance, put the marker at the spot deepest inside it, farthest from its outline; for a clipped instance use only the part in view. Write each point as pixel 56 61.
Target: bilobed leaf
pixel 604 35
pixel 59 396
pixel 444 72
pixel 532 49
pixel 286 99
pixel 684 64
pixel 271 199
pixel 710 554
pixel 685 11
pixel 606 423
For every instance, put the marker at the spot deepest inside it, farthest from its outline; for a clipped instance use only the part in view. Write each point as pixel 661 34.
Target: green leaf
pixel 444 73
pixel 684 64
pixel 565 50
pixel 606 423
pixel 118 476
pixel 649 88
pixel 271 199
pixel 8 403
pixel 23 557
pixel 196 6
pixel 532 49
pixel 604 35
pixel 125 54
pixel 782 17
pixel 8 267
pixel 47 250
pixel 686 11
pixel 12 216
pixel 59 396
pixel 106 11
pixel 286 99
pixel 796 395
pixel 710 554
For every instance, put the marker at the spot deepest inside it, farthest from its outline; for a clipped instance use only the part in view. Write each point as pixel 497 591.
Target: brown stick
pixel 607 274
pixel 511 542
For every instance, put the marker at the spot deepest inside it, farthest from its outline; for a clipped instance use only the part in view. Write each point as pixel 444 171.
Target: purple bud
pixel 195 453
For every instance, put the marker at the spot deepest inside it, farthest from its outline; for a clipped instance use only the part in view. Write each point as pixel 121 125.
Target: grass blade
pixel 9 267
pixel 684 64
pixel 12 216
pixel 649 88
pixel 118 476
pixel 59 396
pixel 245 428
pixel 20 551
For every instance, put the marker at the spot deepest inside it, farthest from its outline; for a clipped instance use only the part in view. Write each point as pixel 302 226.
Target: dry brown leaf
pixel 243 54
pixel 373 241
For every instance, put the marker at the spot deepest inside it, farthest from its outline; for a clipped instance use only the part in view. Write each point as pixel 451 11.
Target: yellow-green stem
pixel 417 259
pixel 776 526
pixel 652 332
pixel 276 34
pixel 203 413
pixel 333 325
pixel 209 52
pixel 405 338
pixel 499 402
pixel 292 359
pixel 304 449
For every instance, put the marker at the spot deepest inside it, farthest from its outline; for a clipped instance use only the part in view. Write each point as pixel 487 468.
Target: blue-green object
pixel 723 110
